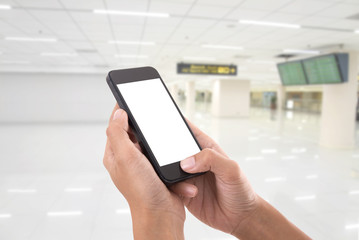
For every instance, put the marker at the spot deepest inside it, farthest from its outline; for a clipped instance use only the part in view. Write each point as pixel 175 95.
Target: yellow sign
pixel 184 68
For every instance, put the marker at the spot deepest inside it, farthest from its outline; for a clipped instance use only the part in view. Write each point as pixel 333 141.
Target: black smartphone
pixel 155 119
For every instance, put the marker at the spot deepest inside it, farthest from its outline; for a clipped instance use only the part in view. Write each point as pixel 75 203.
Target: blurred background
pixel 292 127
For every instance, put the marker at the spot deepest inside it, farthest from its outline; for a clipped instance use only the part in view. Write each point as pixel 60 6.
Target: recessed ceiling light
pixel 5 215
pixel 55 54
pixel 5 7
pixel 131 43
pixel 228 47
pixel 356 31
pixel 14 62
pixel 130 13
pixel 270 24
pixel 194 58
pixel 131 56
pixel 301 51
pixel 28 39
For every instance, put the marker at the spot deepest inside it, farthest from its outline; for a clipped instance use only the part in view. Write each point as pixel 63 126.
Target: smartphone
pixel 156 121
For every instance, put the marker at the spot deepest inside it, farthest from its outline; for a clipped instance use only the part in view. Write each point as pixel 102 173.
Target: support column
pixel 338 110
pixel 280 97
pixel 190 98
pixel 230 98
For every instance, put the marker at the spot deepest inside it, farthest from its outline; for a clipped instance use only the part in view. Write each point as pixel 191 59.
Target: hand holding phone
pixel 156 121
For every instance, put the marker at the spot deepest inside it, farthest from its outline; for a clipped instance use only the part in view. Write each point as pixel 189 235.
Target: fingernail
pixel 188 163
pixel 117 114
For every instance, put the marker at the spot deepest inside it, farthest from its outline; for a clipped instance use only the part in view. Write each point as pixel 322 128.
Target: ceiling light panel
pixel 29 39
pixel 130 13
pixel 56 54
pixel 301 51
pixel 5 7
pixel 15 62
pixel 270 24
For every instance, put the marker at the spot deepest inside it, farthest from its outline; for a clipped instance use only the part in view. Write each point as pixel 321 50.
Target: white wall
pixel 54 97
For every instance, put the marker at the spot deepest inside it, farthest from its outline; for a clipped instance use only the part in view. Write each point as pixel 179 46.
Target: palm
pixel 221 202
pixel 213 204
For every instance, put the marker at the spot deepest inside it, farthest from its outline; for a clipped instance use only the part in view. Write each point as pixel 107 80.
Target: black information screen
pixel 292 73
pixel 321 70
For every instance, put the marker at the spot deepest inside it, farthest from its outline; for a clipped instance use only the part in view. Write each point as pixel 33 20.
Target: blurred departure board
pixel 322 70
pixel 292 73
pixel 206 69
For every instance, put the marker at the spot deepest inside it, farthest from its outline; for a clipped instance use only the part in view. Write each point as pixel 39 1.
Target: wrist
pixel 265 222
pixel 250 221
pixel 156 224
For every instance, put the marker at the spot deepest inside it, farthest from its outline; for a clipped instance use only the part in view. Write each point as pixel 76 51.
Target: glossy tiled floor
pixel 53 184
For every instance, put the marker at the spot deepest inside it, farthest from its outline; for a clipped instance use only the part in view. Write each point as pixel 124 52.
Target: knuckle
pixel 206 157
pixel 207 153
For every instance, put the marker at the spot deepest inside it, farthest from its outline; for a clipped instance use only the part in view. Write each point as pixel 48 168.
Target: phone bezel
pixel 170 173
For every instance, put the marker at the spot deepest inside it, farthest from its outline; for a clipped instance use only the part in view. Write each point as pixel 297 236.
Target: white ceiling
pixel 191 24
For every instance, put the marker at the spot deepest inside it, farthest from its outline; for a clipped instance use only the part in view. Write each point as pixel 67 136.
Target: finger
pixel 210 160
pixel 203 139
pixel 117 133
pixel 126 126
pixel 113 111
pixel 184 189
pixel 129 130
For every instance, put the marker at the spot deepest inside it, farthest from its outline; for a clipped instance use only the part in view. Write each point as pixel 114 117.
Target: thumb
pixel 210 160
pixel 121 117
pixel 117 131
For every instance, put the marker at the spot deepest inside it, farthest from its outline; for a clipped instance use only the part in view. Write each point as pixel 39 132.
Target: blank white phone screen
pixel 159 120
